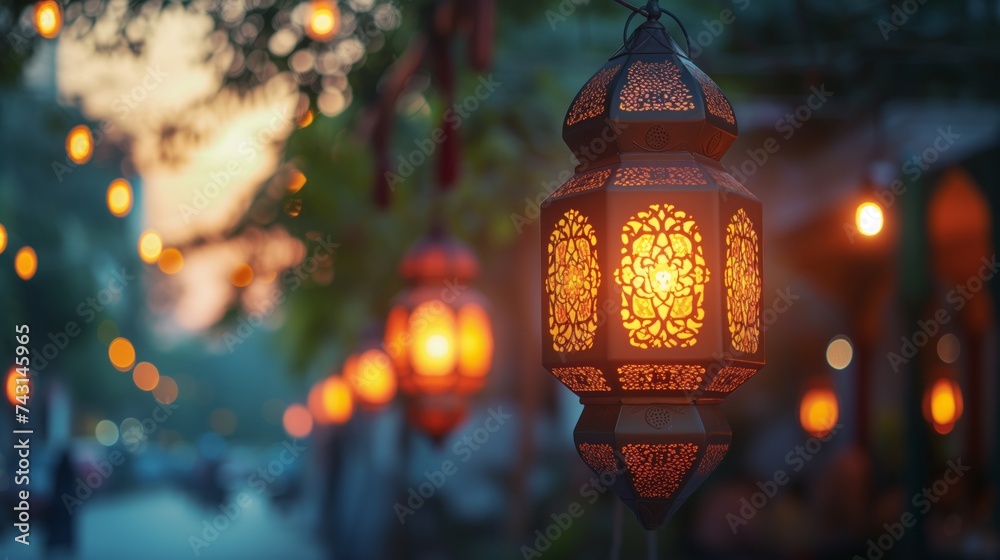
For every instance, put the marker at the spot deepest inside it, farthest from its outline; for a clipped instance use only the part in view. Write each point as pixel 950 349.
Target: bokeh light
pixel 372 377
pixel 79 144
pixel 146 376
pixel 166 390
pixel 297 181
pixel 949 348
pixel 122 354
pixel 131 431
pixel 3 238
pixel 331 401
pixel 819 411
pixel 943 405
pixel 171 261
pixel 839 353
pixel 48 18
pixel 869 219
pixel 242 276
pixel 106 433
pixel 223 421
pixel 13 381
pixel 322 20
pixel 120 197
pixel 306 119
pixel 150 246
pixel 297 421
pixel 26 263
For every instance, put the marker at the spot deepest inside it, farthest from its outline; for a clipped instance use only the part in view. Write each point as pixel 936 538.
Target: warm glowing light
pixel 242 276
pixel 432 352
pixel 475 341
pixel 171 261
pixel 297 181
pixel 742 279
pixel 79 144
pixel 949 348
pixel 819 411
pixel 338 402
pixel 17 386
pixel 48 18
pixel 839 353
pixel 306 119
pixel 166 390
pixel 120 197
pixel 146 376
pixel 943 405
pixel 122 354
pixel 663 274
pixel 3 238
pixel 106 433
pixel 297 421
pixel 150 246
pixel 26 263
pixel 323 20
pixel 372 377
pixel 574 277
pixel 869 219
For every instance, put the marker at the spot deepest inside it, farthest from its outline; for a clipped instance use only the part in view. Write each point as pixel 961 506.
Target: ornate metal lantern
pixel 438 333
pixel 652 274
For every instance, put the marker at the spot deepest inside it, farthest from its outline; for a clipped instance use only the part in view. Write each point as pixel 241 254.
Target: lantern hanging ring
pixel 652 12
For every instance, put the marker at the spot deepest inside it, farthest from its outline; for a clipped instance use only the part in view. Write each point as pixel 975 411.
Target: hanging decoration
pixel 438 333
pixel 652 273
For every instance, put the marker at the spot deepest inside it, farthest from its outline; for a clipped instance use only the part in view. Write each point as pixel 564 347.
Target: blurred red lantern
pixel 652 274
pixel 438 333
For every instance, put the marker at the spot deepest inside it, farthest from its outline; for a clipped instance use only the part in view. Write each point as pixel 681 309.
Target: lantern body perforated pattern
pixel 438 334
pixel 652 274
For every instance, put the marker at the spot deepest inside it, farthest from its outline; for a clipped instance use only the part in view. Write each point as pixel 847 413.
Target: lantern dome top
pixel 439 257
pixel 650 98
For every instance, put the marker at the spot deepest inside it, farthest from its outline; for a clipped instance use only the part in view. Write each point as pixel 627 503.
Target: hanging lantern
pixel 652 274
pixel 370 374
pixel 438 333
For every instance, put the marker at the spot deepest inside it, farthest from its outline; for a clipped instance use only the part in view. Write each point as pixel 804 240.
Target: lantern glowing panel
pixel 438 337
pixel 652 272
